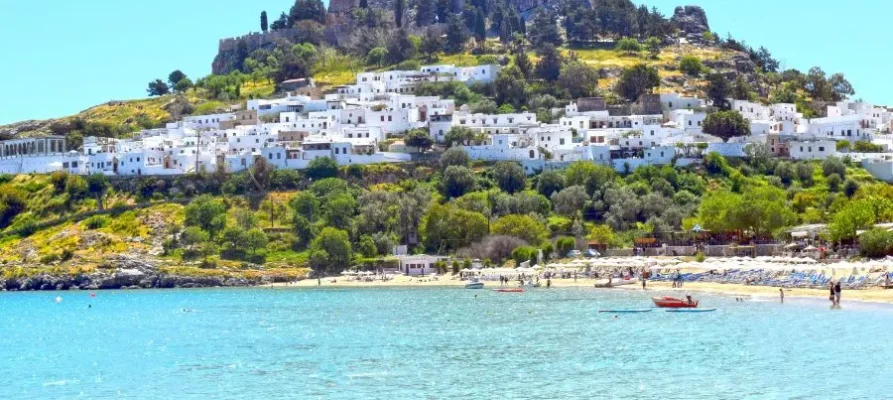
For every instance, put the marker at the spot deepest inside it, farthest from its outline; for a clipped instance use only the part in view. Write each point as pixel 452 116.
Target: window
pixel 821 149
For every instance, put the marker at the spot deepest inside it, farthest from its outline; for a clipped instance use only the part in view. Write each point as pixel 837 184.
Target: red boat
pixel 509 290
pixel 672 302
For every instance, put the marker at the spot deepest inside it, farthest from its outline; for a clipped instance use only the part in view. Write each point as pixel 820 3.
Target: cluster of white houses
pixel 352 125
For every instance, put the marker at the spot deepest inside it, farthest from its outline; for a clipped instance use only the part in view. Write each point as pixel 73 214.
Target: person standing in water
pixel 831 297
pixel 781 293
pixel 837 293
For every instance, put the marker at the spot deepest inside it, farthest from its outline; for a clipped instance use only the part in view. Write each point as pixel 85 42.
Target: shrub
pixel 524 253
pixel 96 222
pixel 564 245
pixel 876 243
pixel 691 66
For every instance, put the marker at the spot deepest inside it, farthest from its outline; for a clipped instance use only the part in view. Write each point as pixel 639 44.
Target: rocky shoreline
pixel 123 273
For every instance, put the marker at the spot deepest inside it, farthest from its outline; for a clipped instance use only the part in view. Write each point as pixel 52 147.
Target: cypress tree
pixel 263 21
pixel 398 13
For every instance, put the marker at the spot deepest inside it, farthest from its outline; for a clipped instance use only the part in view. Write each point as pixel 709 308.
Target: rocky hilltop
pixel 692 23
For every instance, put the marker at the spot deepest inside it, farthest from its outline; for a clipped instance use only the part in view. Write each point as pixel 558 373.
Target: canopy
pixel 799 234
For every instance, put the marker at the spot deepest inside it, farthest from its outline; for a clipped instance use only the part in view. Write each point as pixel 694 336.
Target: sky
pixel 60 57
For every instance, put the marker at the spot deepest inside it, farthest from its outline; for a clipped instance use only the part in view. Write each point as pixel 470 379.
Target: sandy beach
pixel 868 295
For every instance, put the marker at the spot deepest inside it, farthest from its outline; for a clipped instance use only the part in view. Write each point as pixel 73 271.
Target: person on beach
pixel 781 293
pixel 548 283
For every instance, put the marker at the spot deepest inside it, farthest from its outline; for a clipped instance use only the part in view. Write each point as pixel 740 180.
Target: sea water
pixel 435 343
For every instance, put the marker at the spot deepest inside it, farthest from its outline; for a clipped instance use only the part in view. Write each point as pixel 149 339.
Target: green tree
pixel 570 201
pixel 544 30
pixel 741 90
pixel 589 175
pixel 565 245
pixel 312 10
pixel 653 46
pixel 834 182
pixel 602 234
pixel 305 204
pixel 522 61
pixel 158 88
pixel 523 227
pixel 339 209
pixel 419 139
pixel 549 65
pixel 629 46
pixel 447 227
pixel 480 25
pixel 432 43
pixel 457 181
pixel 876 243
pixel 858 215
pixel 398 13
pixel 524 254
pixel 457 34
pixel 206 212
pixel 726 124
pixel 458 135
pixel 511 87
pixel 263 21
pixel 332 249
pixel 718 90
pixel 321 168
pixel 549 183
pixel 255 239
pixel 785 172
pixel 578 79
pixel 425 13
pixel 98 185
pixel 509 176
pixel 12 203
pixel 850 187
pixel 454 156
pixel 367 247
pixel 175 77
pixel 377 56
pixel 636 81
pixel 833 165
pixel 691 66
pixel 75 186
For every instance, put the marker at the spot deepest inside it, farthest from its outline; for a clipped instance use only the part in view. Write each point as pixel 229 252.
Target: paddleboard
pixel 626 311
pixel 692 310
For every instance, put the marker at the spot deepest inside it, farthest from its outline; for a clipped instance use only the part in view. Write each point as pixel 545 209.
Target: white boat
pixel 475 284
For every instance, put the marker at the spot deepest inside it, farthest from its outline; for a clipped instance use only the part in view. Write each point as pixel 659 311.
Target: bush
pixel 833 165
pixel 700 257
pixel 525 253
pixel 850 187
pixel 691 66
pixel 96 222
pixel 876 243
pixel 564 245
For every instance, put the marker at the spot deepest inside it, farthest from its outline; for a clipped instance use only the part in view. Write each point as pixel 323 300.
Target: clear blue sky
pixel 61 57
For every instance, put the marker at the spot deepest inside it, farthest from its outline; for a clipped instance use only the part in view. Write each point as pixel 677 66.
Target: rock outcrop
pixel 124 272
pixel 692 23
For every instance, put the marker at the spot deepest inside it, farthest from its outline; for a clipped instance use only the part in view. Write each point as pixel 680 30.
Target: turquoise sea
pixel 435 343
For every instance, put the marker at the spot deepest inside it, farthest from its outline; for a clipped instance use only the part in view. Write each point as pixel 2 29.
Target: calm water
pixel 434 344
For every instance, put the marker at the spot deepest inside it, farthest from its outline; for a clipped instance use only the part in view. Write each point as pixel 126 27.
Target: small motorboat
pixel 509 290
pixel 691 310
pixel 474 285
pixel 672 302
